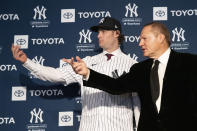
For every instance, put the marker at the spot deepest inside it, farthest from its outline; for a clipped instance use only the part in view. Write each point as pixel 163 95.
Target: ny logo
pixel 85 36
pixel 40 13
pixel 179 34
pixel 115 74
pixel 38 61
pixel 132 10
pixel 134 57
pixel 102 20
pixel 36 116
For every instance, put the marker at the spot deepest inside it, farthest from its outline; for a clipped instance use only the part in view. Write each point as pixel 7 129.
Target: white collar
pixel 165 56
pixel 115 53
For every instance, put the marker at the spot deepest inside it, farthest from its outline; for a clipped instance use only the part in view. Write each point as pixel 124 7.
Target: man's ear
pixel 117 33
pixel 161 38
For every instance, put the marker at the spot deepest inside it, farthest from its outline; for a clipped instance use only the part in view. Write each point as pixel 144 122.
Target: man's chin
pixel 101 46
pixel 145 54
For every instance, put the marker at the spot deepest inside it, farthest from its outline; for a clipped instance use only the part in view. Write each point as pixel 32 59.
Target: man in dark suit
pixel 166 83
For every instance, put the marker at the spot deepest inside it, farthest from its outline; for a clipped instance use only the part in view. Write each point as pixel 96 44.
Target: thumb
pixel 79 59
pixel 12 48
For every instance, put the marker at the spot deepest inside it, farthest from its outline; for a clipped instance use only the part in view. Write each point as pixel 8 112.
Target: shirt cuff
pixel 29 64
pixel 87 77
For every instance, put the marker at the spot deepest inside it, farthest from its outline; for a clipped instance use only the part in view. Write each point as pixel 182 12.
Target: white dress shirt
pixel 163 59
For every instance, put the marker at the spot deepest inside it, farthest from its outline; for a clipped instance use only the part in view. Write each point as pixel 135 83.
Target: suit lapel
pixel 170 65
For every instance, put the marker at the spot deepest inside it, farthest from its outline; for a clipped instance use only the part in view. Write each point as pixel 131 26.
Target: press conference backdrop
pixel 48 30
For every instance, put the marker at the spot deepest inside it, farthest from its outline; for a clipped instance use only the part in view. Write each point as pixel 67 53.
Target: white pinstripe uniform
pixel 100 111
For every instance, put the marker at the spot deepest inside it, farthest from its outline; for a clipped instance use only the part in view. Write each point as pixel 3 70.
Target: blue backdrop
pixel 49 30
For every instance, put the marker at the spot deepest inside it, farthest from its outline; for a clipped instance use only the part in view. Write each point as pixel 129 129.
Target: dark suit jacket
pixel 178 110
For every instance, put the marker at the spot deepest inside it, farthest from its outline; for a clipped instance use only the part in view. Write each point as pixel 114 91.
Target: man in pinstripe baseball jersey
pixel 100 111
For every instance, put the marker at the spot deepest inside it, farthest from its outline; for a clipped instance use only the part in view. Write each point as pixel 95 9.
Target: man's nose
pixel 140 43
pixel 99 34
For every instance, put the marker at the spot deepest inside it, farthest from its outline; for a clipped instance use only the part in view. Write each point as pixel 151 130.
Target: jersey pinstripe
pixel 100 111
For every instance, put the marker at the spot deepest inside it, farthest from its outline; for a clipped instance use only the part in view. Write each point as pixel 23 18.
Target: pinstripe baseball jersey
pixel 100 111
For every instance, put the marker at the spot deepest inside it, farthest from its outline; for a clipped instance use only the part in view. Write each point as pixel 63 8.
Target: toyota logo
pixel 65 118
pixel 160 13
pixel 21 41
pixel 19 93
pixel 68 15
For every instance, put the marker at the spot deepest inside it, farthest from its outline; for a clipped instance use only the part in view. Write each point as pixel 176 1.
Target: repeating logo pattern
pixel 85 41
pixel 53 32
pixel 178 39
pixel 160 13
pixel 66 118
pixel 19 93
pixel 5 68
pixel 9 17
pixel 85 36
pixel 39 17
pixel 67 15
pixel 36 120
pixel 22 41
pixel 7 121
pixel 131 16
pixel 37 60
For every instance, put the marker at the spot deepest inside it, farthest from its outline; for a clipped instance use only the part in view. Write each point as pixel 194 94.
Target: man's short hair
pixel 161 28
pixel 121 38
